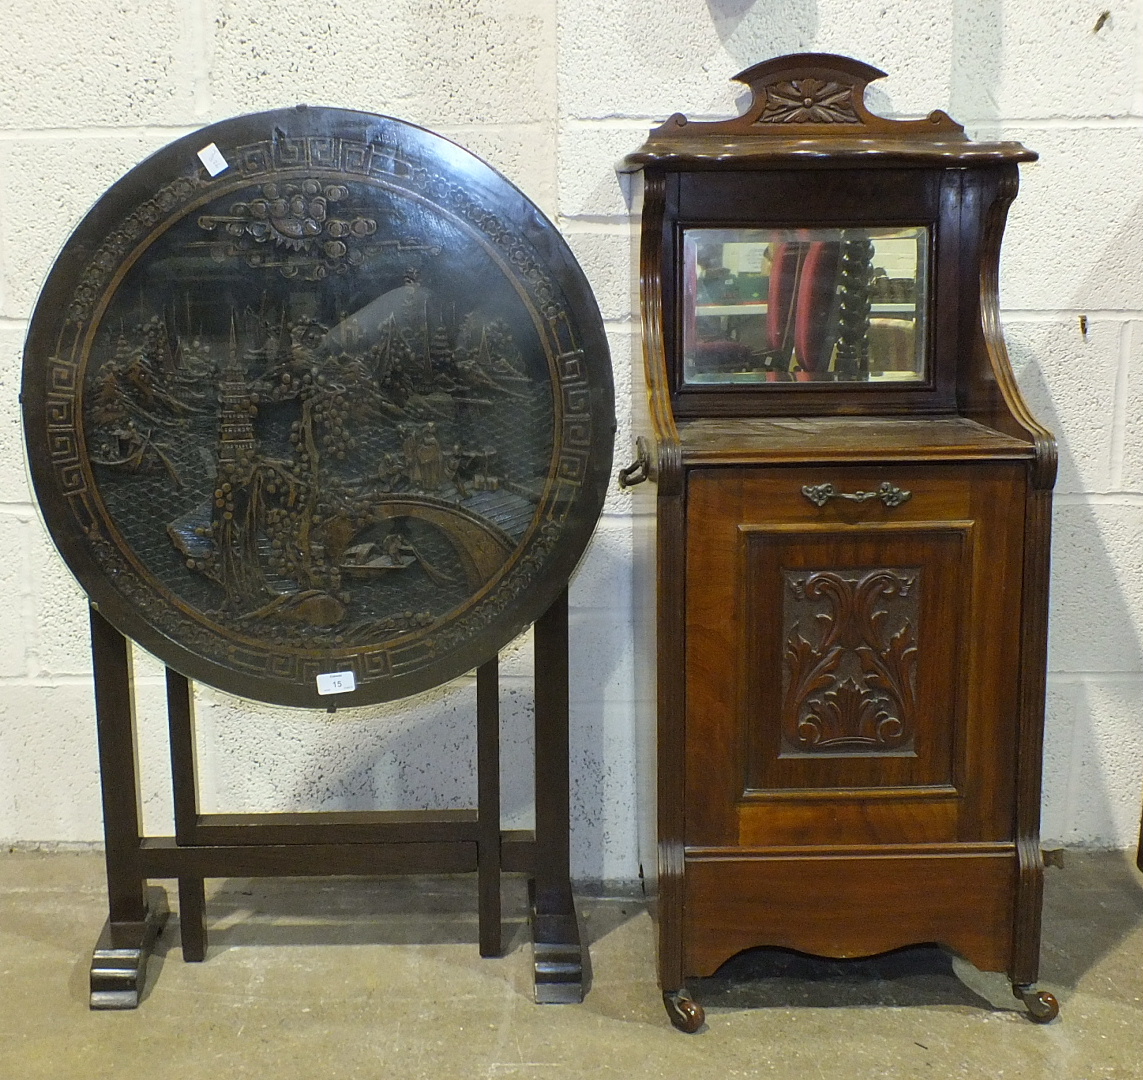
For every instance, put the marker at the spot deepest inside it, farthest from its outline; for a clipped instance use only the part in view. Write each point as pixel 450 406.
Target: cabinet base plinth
pixel 836 905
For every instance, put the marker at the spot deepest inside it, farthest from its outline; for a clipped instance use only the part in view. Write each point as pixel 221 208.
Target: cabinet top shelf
pixel 759 307
pixel 843 438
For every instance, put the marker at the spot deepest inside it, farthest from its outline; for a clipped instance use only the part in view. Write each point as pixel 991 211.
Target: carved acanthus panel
pixel 849 681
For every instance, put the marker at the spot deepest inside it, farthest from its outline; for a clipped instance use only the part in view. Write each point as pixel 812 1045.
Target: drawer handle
pixel 889 494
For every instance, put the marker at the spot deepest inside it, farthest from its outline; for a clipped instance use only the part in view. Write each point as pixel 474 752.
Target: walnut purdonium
pixel 344 405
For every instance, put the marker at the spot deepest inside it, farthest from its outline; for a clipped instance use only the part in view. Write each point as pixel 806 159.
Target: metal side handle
pixel 640 469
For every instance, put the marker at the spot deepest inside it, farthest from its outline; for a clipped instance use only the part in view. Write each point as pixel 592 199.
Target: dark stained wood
pixel 184 774
pixel 115 720
pixel 672 760
pixel 986 385
pixel 960 532
pixel 665 462
pixel 488 799
pixel 161 857
pixel 365 843
pixel 273 628
pixel 184 779
pixel 192 918
pixel 504 257
pixel 136 914
pixel 666 469
pixel 518 851
pixel 833 126
pixel 119 960
pixel 338 827
pixel 850 692
pixel 557 954
pixel 1030 747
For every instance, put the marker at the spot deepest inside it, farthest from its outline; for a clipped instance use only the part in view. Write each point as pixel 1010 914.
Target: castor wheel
pixel 1042 1007
pixel 685 1013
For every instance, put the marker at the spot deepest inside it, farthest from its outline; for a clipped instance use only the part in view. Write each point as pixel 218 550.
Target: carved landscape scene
pixel 319 413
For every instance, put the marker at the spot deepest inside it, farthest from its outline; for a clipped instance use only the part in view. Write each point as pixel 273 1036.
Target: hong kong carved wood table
pixel 852 537
pixel 319 411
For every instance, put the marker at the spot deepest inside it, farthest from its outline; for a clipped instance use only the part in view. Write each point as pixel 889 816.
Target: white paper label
pixel 336 682
pixel 214 163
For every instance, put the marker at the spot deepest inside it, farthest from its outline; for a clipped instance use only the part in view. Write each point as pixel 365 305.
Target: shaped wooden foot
pixel 557 958
pixel 119 962
pixel 1042 1007
pixel 685 1013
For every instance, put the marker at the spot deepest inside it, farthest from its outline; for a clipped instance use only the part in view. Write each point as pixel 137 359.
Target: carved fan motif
pixel 809 101
pixel 850 680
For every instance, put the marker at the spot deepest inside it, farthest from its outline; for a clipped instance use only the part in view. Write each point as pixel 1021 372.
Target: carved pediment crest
pixel 811 94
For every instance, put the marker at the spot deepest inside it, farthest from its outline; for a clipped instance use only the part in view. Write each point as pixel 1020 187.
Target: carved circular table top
pixel 344 406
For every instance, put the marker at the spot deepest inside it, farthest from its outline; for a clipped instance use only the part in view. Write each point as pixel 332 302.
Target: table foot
pixel 119 961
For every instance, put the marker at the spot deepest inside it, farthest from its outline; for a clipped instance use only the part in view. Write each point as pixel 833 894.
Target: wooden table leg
pixel 192 918
pixel 184 783
pixel 557 953
pixel 488 805
pixel 136 914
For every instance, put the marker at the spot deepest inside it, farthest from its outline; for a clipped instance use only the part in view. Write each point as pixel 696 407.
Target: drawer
pixel 851 494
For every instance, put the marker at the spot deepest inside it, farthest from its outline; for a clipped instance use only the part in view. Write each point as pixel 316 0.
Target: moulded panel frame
pixel 940 554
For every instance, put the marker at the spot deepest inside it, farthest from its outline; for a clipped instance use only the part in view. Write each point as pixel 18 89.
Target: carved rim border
pixel 413 163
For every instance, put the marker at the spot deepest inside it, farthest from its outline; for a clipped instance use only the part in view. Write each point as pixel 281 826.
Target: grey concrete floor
pixel 323 980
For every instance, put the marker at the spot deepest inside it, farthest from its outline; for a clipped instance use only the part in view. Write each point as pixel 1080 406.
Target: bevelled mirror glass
pixel 836 305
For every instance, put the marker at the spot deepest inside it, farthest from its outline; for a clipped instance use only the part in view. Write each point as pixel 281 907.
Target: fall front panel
pixel 846 662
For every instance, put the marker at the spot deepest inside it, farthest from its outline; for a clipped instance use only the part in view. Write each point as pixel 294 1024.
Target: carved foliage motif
pixel 850 677
pixel 809 101
pixel 110 253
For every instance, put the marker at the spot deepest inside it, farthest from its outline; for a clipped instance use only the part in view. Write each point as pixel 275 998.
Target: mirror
pixel 774 306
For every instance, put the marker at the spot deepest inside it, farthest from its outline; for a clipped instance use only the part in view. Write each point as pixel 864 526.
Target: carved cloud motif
pixel 300 218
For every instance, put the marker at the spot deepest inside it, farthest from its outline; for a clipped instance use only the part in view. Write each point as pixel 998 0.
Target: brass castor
pixel 685 1013
pixel 1042 1007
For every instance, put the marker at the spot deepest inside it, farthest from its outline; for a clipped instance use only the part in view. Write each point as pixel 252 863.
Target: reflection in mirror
pixel 804 305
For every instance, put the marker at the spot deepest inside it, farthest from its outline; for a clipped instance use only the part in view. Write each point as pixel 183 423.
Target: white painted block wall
pixel 553 92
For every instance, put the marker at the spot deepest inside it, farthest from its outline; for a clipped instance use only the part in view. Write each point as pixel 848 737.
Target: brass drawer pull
pixel 889 494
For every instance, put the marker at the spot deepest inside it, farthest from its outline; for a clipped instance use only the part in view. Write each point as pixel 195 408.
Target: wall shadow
pixel 782 978
pixel 755 30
